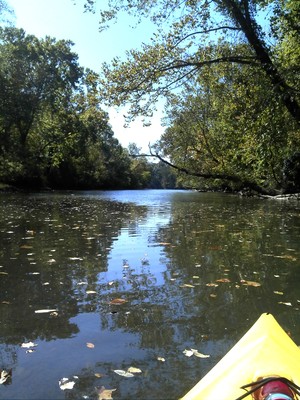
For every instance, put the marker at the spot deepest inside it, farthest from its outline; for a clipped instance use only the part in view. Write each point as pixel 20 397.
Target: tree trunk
pixel 249 27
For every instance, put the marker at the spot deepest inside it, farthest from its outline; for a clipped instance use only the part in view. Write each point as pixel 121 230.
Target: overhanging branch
pixel 225 177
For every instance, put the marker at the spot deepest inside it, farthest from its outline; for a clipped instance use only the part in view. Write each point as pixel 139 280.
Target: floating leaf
pixel 162 359
pixel 98 375
pixel 250 283
pixel 75 258
pixel 287 303
pixel 287 257
pixel 105 394
pixel 30 351
pixel 200 355
pixel 3 273
pixel 188 285
pixel 134 370
pixel 27 345
pixel 46 310
pixel 276 292
pixel 118 301
pixel 121 372
pixel 223 280
pixel 65 383
pixel 90 345
pixel 213 295
pixel 212 285
pixel 91 292
pixel 188 353
pixel 5 375
pixel 194 352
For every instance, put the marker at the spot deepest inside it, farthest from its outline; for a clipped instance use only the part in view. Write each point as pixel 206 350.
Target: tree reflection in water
pixel 179 260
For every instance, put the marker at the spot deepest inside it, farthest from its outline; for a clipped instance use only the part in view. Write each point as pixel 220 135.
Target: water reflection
pixel 185 263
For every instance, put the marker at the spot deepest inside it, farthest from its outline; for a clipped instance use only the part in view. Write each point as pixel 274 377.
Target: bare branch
pixel 177 64
pixel 233 28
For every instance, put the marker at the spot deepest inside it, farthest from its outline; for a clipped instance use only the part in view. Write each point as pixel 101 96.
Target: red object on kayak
pixel 275 388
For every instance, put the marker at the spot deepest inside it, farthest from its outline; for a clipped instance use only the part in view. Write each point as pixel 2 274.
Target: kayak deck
pixel 265 350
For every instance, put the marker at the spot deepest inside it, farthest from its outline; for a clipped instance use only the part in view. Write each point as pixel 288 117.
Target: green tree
pixel 37 78
pixel 237 62
pixel 186 31
pixel 52 128
pixel 227 125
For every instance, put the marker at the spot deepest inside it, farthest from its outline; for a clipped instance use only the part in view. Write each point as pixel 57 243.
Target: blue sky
pixel 62 19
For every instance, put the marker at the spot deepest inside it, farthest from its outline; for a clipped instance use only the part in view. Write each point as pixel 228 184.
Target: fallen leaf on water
pixel 287 257
pixel 90 345
pixel 194 352
pixel 276 292
pixel 287 303
pixel 98 375
pixel 46 310
pixel 104 394
pixel 65 383
pixel 188 285
pixel 3 273
pixel 118 301
pixel 91 292
pixel 162 359
pixel 200 355
pixel 212 285
pixel 188 353
pixel 30 351
pixel 134 370
pixel 5 375
pixel 213 295
pixel 250 283
pixel 121 372
pixel 27 345
pixel 75 258
pixel 223 280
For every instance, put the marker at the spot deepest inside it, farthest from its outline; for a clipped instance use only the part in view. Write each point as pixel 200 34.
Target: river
pixel 134 278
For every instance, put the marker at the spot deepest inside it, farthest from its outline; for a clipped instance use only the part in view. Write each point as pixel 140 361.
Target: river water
pixel 134 278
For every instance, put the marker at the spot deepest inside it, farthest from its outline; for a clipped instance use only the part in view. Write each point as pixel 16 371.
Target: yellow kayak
pixel 264 351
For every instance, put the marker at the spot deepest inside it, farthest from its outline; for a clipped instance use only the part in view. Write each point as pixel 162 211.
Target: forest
pixel 228 71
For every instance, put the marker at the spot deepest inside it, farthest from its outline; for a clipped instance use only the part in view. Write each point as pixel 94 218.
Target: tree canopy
pixel 205 53
pixel 53 131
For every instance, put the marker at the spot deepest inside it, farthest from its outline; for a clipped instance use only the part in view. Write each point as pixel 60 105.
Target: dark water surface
pixel 188 265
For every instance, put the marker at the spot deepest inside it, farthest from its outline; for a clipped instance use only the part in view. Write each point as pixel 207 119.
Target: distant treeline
pixel 53 132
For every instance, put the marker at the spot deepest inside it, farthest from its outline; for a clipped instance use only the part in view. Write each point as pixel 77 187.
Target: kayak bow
pixel 265 350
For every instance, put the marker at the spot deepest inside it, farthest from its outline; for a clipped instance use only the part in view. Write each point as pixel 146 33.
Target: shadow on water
pixel 192 270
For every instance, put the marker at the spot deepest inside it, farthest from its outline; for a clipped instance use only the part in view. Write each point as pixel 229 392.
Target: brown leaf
pixel 104 394
pixel 223 280
pixel 250 283
pixel 188 285
pixel 118 301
